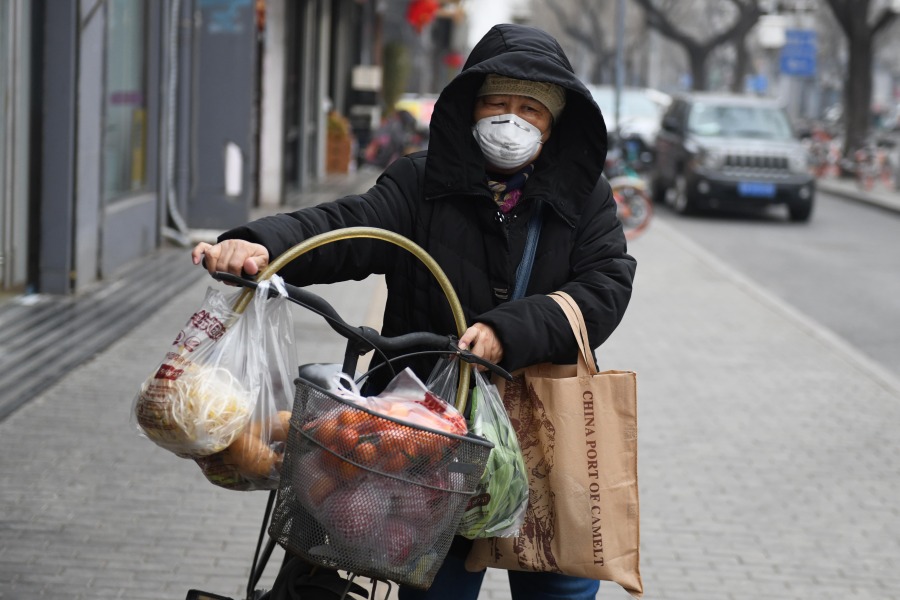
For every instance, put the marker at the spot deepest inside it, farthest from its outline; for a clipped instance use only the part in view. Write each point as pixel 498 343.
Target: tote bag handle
pixel 586 363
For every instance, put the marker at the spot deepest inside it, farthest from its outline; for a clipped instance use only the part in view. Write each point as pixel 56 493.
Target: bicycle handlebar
pixel 366 337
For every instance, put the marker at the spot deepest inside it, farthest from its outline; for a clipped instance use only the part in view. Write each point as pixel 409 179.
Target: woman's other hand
pixel 231 256
pixel 481 340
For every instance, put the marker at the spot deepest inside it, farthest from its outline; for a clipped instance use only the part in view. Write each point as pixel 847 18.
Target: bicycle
pixel 824 154
pixel 874 162
pixel 633 205
pixel 318 550
pixel 634 208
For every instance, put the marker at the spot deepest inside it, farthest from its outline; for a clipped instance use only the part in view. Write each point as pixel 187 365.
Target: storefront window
pixel 125 104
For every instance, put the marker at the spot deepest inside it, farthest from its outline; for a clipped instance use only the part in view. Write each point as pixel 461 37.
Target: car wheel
pixel 678 196
pixel 800 213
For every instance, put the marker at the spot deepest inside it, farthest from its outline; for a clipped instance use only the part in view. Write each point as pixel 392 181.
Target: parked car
pixel 720 151
pixel 418 105
pixel 640 113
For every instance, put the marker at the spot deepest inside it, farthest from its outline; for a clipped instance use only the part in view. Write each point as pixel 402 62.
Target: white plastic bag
pixel 223 392
pixel 408 400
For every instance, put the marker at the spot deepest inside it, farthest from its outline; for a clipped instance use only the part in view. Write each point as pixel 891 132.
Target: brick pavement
pixel 767 457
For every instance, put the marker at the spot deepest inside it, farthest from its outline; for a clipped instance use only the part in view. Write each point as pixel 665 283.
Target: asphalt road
pixel 841 269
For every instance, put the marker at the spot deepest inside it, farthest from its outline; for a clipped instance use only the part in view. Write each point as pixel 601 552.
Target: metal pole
pixel 620 57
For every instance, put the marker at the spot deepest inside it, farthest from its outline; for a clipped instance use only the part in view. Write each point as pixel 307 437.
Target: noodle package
pixel 222 394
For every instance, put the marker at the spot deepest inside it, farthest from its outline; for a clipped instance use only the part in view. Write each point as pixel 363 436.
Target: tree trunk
pixel 861 31
pixel 697 57
pixel 741 62
pixel 857 92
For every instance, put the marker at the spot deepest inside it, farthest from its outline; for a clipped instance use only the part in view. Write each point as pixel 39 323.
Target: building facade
pixel 126 125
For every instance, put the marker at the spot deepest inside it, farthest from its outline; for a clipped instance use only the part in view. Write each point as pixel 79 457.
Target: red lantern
pixel 420 13
pixel 454 60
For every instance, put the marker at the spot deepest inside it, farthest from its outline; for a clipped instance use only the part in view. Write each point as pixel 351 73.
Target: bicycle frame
pixel 360 340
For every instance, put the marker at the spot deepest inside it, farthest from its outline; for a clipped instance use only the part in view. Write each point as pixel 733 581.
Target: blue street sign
pixel 799 66
pixel 756 84
pixel 798 55
pixel 800 36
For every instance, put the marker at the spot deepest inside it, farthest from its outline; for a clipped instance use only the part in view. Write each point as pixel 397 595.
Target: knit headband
pixel 550 95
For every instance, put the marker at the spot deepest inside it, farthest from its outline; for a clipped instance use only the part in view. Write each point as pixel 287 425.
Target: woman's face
pixel 526 108
pixel 522 106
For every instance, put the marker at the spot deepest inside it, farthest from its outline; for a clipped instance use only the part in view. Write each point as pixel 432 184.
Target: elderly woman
pixel 516 144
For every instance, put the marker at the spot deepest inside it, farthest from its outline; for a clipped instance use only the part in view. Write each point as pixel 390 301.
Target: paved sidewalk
pixel 767 456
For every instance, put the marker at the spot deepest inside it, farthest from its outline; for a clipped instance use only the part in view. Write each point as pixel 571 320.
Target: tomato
pixel 310 481
pixel 433 447
pixel 399 440
pixel 366 454
pixel 327 432
pixel 351 417
pixel 348 471
pixel 371 423
pixel 347 437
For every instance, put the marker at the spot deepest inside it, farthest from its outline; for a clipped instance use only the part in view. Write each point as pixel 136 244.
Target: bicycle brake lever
pixel 474 358
pixel 245 281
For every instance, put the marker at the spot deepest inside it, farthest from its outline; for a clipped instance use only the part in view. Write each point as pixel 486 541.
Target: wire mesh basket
pixel 370 494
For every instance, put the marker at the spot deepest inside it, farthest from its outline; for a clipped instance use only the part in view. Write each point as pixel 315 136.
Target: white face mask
pixel 507 141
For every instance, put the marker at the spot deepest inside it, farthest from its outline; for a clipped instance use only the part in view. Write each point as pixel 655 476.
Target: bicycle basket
pixel 369 494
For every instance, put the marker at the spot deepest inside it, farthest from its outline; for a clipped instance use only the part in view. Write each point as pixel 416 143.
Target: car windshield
pixel 716 120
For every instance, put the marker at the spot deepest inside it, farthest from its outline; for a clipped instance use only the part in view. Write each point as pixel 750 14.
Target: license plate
pixel 752 189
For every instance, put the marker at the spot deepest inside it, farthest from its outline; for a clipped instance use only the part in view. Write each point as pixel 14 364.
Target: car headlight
pixel 798 162
pixel 709 158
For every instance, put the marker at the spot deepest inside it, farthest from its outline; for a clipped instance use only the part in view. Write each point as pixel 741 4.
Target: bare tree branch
pixel 659 21
pixel 843 13
pixel 886 17
pixel 697 50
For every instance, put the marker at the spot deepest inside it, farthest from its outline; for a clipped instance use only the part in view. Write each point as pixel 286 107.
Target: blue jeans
pixel 453 582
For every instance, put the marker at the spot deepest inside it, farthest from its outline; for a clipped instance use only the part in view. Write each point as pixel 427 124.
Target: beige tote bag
pixel 578 432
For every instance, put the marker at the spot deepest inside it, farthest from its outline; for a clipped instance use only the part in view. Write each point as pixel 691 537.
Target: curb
pixel 887 200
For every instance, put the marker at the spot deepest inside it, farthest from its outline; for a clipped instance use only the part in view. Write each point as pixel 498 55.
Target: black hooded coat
pixel 439 199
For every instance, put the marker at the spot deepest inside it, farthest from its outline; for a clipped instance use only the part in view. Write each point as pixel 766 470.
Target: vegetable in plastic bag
pixel 200 398
pixel 222 395
pixel 497 509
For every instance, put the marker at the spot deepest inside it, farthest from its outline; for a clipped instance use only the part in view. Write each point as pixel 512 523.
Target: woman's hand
pixel 481 340
pixel 231 256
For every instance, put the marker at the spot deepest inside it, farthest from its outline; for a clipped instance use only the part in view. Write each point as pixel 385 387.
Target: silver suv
pixel 721 151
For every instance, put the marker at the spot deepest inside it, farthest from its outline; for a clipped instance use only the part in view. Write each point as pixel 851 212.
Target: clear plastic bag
pixel 444 378
pixel 408 400
pixel 222 394
pixel 497 509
